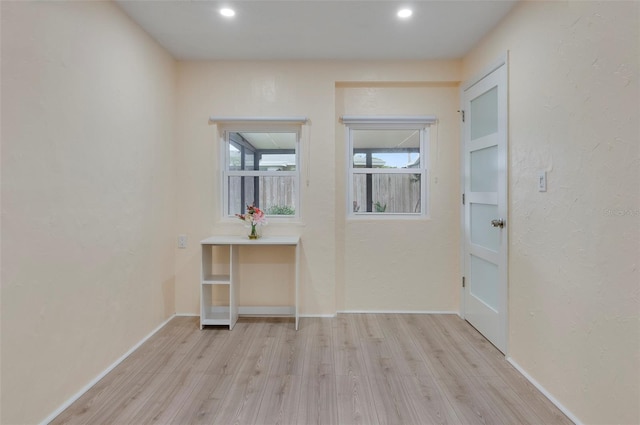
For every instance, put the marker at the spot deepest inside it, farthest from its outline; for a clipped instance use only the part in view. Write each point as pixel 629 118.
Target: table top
pixel 244 240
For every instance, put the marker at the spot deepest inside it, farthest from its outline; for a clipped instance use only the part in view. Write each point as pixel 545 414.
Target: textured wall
pixel 309 88
pixel 403 264
pixel 574 250
pixel 87 197
pixel 249 89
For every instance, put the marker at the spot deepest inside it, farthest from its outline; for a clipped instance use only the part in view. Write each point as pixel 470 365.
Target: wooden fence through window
pixel 391 193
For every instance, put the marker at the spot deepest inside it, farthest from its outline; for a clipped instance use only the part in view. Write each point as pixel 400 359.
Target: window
pixel 387 165
pixel 261 167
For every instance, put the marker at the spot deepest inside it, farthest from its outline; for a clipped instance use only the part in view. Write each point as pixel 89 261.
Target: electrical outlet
pixel 542 181
pixel 182 241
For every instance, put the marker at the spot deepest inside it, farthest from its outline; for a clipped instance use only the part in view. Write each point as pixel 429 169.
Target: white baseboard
pixel 257 311
pixel 397 312
pixel 95 380
pixel 289 311
pixel 544 392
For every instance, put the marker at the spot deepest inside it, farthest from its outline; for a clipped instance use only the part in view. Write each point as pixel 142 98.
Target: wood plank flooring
pixel 353 369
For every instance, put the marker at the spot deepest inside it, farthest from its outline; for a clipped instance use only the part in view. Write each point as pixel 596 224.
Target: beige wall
pixel 574 250
pixel 333 251
pixel 97 182
pixel 88 191
pixel 402 265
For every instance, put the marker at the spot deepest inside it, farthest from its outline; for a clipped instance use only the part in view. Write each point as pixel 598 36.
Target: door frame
pixel 503 198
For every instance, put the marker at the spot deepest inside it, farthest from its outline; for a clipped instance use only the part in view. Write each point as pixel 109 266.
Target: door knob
pixel 498 223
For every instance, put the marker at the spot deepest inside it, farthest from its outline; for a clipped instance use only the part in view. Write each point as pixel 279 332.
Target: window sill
pixel 270 221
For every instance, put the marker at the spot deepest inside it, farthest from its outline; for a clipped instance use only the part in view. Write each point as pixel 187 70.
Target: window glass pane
pixel 386 148
pixel 277 162
pixel 389 193
pixel 360 193
pixel 240 157
pixel 277 195
pixel 235 157
pixel 275 151
pixel 248 160
pixel 273 195
pixel 270 153
pixel 250 186
pixel 241 193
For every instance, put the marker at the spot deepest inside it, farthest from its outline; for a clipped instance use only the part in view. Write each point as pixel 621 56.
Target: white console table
pixel 227 315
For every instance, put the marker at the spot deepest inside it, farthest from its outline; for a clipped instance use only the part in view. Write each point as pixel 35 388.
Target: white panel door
pixel 485 205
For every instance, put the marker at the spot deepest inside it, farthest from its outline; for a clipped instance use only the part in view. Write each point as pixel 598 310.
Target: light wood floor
pixel 353 369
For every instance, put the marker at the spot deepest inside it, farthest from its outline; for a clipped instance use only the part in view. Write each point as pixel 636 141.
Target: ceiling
pixel 317 29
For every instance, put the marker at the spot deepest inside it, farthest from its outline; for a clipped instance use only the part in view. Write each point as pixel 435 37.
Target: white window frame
pixel 266 126
pixel 420 123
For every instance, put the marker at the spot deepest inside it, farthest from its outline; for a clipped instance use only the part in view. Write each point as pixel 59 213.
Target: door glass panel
pixel 484 114
pixel 484 281
pixel 484 170
pixel 482 233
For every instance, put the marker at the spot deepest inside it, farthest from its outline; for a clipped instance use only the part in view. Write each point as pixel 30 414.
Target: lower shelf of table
pixel 216 318
pixel 220 315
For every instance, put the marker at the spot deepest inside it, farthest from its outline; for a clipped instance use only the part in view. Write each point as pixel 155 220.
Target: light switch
pixel 542 181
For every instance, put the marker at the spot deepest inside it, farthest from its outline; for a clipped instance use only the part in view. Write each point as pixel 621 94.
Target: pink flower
pixel 259 217
pixel 253 216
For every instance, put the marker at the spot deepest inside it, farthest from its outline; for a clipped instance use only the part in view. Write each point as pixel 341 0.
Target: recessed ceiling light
pixel 227 12
pixel 404 13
